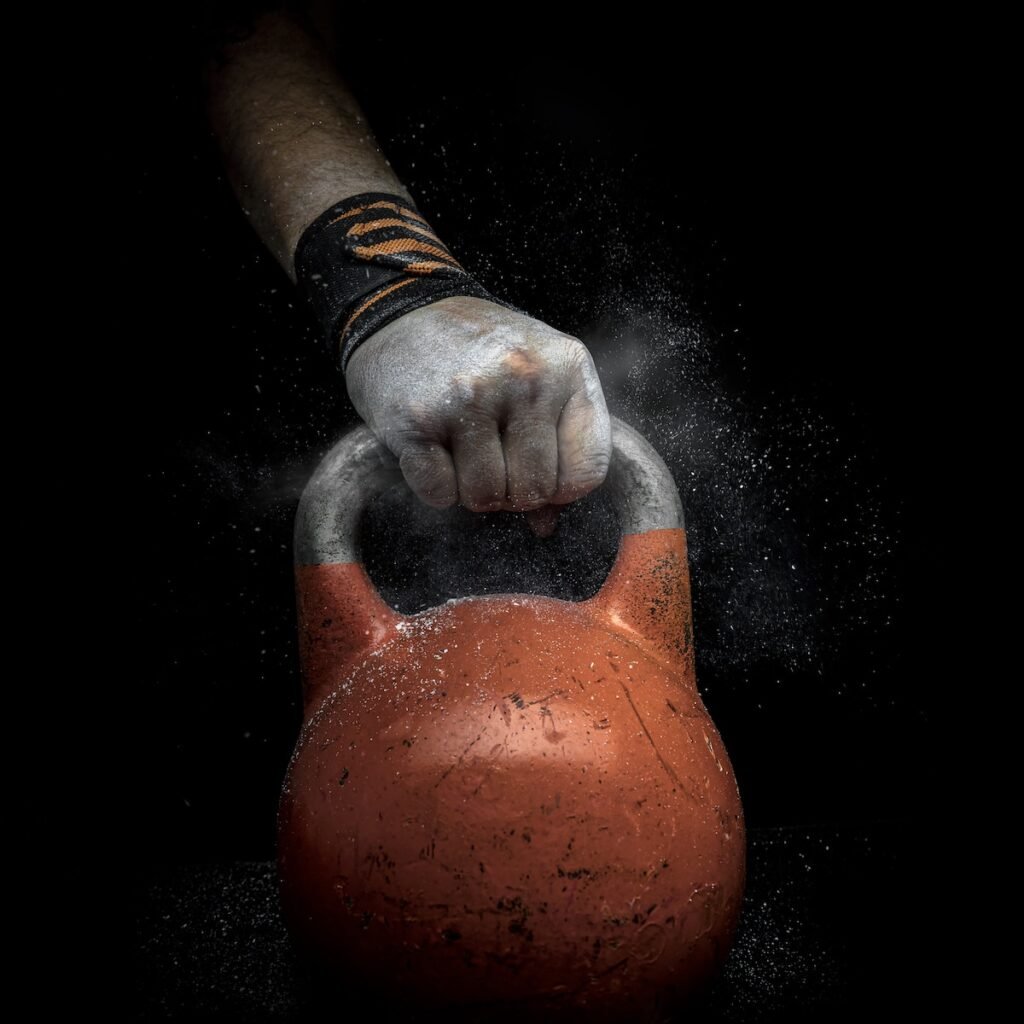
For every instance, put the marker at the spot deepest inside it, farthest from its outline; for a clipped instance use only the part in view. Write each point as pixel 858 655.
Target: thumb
pixel 544 520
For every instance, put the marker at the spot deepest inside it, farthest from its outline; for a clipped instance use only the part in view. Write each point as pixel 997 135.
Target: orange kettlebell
pixel 508 801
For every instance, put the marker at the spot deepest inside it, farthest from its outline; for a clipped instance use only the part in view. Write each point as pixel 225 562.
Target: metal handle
pixel 359 467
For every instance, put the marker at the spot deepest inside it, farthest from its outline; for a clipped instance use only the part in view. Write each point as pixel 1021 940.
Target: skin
pixel 481 405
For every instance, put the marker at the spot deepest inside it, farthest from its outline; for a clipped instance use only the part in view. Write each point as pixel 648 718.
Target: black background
pixel 781 187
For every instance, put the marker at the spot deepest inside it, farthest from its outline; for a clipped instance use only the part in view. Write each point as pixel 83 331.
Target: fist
pixel 484 406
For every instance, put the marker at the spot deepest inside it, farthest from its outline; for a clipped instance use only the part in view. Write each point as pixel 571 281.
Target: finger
pixel 479 465
pixel 543 521
pixel 531 460
pixel 584 443
pixel 429 471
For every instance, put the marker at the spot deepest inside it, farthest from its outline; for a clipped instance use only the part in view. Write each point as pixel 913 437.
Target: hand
pixel 484 406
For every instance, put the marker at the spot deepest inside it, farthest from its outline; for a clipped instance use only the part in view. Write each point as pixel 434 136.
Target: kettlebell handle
pixel 341 614
pixel 359 467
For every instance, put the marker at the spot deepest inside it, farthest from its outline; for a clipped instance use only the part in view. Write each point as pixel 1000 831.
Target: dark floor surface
pixel 834 927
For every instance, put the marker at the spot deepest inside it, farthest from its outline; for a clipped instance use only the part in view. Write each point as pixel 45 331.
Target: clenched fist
pixel 484 406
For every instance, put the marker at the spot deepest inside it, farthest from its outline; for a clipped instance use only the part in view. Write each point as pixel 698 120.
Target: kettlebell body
pixel 509 799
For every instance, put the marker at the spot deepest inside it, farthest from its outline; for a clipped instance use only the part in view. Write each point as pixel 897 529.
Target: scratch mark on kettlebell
pixel 614 966
pixel 505 713
pixel 547 809
pixel 643 725
pixel 541 700
pixel 344 777
pixel 469 746
pixel 551 733
pixel 711 750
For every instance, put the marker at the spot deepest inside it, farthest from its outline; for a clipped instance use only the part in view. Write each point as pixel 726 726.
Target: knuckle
pixel 589 473
pixel 523 360
pixel 441 499
pixel 482 503
pixel 483 494
pixel 532 486
pixel 531 432
pixel 531 500
pixel 416 462
pixel 577 354
pixel 468 398
pixel 427 478
pixel 412 422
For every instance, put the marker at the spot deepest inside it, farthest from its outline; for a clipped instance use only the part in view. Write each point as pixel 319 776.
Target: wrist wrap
pixel 369 259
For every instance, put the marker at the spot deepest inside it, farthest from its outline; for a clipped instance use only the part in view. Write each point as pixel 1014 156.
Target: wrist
pixel 368 260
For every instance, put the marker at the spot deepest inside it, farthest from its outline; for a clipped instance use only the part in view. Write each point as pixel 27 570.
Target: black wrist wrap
pixel 369 259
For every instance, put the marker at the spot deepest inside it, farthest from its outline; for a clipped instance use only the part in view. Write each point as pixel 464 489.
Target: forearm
pixel 293 137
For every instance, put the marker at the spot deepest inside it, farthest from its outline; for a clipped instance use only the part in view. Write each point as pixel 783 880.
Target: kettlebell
pixel 510 801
